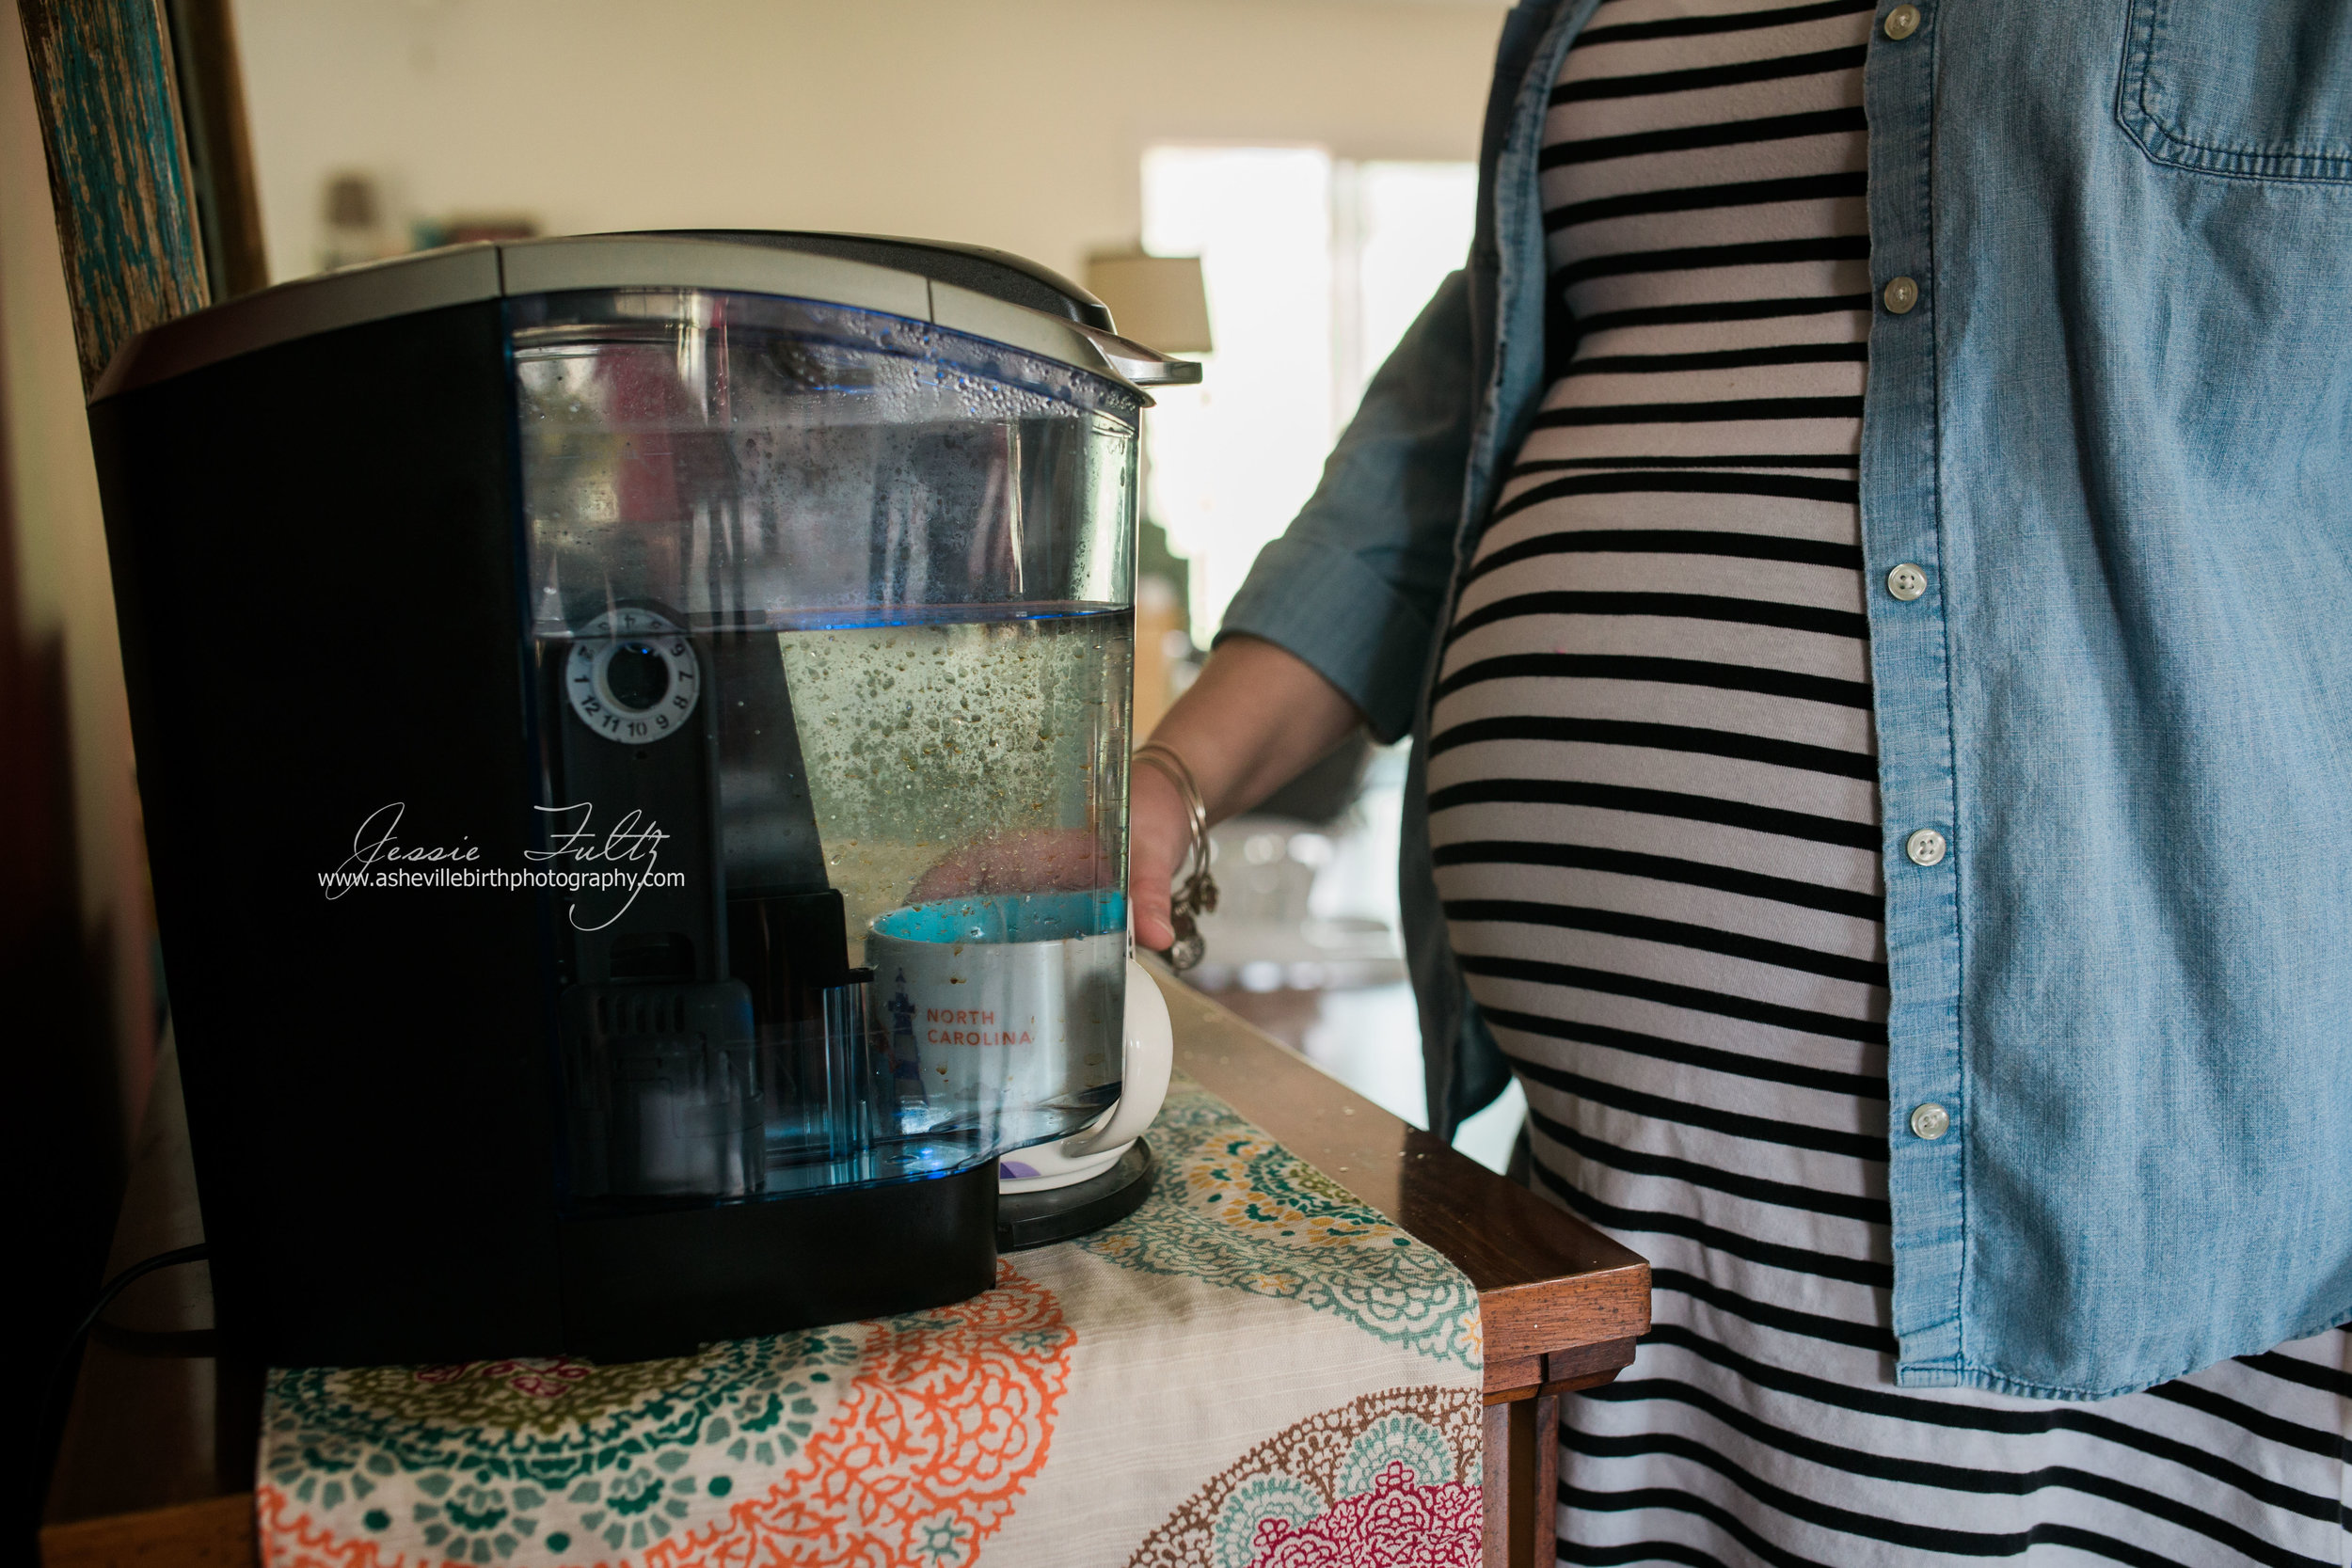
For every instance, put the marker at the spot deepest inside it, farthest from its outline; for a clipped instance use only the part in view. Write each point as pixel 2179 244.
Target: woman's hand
pixel 1258 717
pixel 1039 860
pixel 1159 835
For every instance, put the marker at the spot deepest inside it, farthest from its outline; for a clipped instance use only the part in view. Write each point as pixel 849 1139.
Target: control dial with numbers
pixel 632 676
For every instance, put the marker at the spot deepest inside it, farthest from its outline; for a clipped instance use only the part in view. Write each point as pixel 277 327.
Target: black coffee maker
pixel 548 663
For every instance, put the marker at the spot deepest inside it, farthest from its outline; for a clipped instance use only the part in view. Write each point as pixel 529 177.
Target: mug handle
pixel 1151 1053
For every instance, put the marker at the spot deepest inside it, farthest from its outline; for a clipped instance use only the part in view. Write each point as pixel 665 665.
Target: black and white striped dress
pixel 1654 804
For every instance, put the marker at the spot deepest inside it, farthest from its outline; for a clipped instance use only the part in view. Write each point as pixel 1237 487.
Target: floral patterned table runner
pixel 1254 1371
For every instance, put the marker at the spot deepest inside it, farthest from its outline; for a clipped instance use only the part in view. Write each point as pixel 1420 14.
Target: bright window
pixel 1314 268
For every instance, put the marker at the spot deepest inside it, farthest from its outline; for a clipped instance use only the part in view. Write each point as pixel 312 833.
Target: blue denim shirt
pixel 2115 434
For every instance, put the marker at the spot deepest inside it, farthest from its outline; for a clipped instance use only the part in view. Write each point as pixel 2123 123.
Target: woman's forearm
pixel 1257 717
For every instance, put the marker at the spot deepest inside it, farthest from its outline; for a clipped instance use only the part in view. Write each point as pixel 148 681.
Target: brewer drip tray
pixel 1026 1220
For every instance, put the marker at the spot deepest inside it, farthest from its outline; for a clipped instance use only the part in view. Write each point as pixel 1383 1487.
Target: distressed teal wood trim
pixel 118 168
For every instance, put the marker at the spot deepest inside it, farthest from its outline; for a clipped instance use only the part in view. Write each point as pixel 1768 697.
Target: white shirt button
pixel 1931 1121
pixel 1925 848
pixel 1902 23
pixel 1901 295
pixel 1907 583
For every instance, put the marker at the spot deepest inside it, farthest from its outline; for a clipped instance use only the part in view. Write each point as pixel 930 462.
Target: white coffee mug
pixel 1151 1049
pixel 1005 1008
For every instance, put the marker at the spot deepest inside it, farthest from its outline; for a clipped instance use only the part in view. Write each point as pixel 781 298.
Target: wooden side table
pixel 157 1466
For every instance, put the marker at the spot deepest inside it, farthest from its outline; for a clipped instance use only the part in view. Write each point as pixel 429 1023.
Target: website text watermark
pixel 578 858
pixel 491 877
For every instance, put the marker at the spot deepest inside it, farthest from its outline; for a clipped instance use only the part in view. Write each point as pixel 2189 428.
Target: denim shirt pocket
pixel 2258 89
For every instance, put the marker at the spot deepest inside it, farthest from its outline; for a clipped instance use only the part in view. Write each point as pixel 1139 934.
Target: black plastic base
pixel 1026 1220
pixel 659 1283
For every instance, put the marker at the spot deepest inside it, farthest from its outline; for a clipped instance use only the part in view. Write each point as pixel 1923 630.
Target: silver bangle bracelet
pixel 1195 893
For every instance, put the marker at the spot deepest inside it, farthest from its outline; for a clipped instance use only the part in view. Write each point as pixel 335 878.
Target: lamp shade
pixel 1156 300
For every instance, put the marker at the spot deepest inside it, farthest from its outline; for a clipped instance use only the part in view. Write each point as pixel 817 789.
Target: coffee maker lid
pixel 966 288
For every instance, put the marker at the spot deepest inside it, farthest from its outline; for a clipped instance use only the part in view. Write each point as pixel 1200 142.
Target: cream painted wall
pixel 1016 124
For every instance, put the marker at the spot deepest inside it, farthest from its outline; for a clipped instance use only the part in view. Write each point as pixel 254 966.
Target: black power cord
pixel 53 1403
